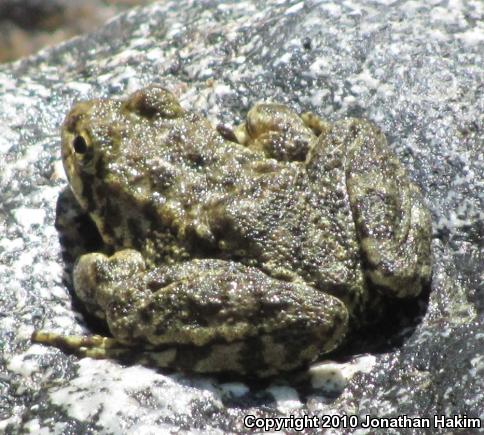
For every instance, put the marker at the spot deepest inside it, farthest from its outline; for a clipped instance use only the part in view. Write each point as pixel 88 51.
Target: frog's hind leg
pixel 99 347
pixel 391 219
pixel 204 316
pixel 208 316
pixel 203 359
pixel 185 358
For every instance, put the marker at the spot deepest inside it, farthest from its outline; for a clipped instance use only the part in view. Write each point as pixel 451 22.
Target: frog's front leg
pixel 212 316
pixel 392 222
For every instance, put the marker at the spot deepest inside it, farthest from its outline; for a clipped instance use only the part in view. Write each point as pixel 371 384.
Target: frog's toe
pixel 92 346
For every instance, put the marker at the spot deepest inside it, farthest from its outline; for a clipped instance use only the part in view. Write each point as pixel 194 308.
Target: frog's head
pixel 98 136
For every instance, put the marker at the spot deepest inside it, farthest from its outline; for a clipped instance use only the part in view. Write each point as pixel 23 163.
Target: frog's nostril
pixel 79 144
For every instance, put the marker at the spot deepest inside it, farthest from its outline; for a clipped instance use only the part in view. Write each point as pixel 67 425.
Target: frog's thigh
pixel 391 218
pixel 96 275
pixel 220 316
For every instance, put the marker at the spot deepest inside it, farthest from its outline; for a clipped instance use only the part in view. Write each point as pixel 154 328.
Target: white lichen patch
pixel 28 217
pixel 287 398
pixel 332 377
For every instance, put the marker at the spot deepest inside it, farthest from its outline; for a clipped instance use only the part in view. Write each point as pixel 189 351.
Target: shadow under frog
pixel 250 251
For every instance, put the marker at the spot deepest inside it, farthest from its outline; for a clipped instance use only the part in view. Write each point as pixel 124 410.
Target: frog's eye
pixel 79 144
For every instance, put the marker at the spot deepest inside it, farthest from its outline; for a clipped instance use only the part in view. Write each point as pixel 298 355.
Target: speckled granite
pixel 415 68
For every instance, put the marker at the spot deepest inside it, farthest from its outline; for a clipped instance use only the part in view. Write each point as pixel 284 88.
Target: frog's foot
pixel 99 347
pixel 275 130
pixel 92 346
pixel 318 125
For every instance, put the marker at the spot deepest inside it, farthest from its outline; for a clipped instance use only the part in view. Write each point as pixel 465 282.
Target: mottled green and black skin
pixel 251 253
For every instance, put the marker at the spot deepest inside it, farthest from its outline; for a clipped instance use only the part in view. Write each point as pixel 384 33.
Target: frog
pixel 249 251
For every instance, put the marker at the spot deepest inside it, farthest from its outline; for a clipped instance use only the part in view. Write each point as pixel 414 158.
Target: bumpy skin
pixel 252 255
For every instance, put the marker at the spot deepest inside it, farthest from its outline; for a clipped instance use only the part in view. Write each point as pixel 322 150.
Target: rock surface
pixel 414 68
pixel 28 25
